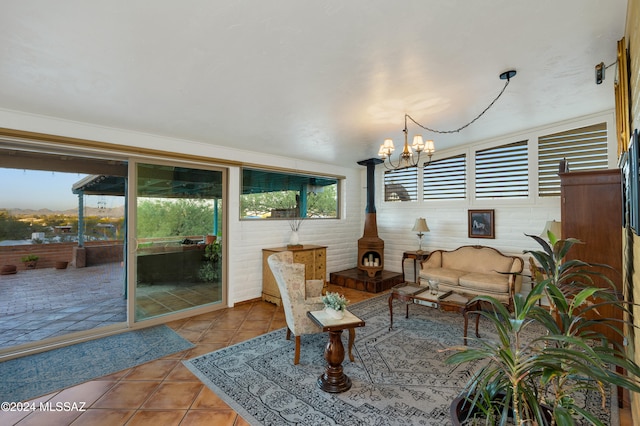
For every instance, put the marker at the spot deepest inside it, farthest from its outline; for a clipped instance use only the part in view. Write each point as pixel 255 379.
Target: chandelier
pixel 406 157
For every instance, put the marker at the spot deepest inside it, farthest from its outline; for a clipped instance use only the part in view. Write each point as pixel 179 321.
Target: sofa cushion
pixel 482 260
pixel 491 283
pixel 444 275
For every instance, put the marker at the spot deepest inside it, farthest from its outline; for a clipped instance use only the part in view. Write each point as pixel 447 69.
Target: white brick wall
pixel 248 238
pixel 447 220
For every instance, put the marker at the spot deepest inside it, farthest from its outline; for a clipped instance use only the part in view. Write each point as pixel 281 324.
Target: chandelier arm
pixel 466 125
pixel 417 162
pixel 388 159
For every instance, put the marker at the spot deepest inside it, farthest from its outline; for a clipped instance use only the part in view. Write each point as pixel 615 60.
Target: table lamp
pixel 420 227
pixel 553 226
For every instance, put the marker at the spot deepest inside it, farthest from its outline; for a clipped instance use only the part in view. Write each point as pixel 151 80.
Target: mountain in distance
pixel 115 212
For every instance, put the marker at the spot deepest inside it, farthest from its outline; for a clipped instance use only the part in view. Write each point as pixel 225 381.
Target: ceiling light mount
pixel 508 75
pixel 405 159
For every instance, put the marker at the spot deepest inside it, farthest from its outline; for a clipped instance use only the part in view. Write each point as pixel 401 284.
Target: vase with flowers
pixel 335 304
pixel 294 239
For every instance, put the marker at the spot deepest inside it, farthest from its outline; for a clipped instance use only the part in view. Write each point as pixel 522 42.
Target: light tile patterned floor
pixel 164 392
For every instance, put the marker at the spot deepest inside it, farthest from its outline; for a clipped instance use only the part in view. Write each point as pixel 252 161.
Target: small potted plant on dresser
pixel 30 261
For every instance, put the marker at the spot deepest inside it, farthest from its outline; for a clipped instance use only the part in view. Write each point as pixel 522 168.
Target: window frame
pixel 287 213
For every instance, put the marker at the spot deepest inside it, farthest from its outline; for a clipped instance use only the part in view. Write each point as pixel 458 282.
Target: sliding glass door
pixel 179 239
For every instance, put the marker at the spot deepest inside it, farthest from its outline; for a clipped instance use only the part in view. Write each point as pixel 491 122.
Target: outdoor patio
pixel 41 303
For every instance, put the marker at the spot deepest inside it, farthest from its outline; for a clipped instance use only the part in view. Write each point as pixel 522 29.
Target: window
pixel 445 179
pixel 274 195
pixel 502 171
pixel 401 184
pixel 180 246
pixel 584 148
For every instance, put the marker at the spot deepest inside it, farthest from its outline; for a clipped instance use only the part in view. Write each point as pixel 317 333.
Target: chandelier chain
pixel 469 123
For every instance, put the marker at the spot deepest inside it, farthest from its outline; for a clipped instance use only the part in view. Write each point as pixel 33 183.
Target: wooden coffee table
pixel 412 293
pixel 333 379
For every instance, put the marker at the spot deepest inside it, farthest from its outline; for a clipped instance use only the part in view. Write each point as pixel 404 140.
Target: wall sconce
pixel 420 227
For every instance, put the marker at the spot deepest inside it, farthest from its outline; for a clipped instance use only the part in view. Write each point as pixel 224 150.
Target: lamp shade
pixel 420 225
pixel 429 147
pixel 418 144
pixel 553 226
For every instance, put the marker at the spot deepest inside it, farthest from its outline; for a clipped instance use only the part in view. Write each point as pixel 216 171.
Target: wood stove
pixel 370 246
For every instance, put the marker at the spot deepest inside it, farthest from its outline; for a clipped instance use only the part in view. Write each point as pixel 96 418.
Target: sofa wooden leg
pixel 296 357
pixel 288 334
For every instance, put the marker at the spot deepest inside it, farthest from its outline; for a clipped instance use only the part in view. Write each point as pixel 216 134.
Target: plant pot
pixel 8 270
pixel 461 413
pixel 333 313
pixel 61 264
pixel 31 264
pixel 210 239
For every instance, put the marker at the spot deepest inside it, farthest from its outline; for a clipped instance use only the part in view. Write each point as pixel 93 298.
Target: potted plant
pixel 543 358
pixel 61 264
pixel 335 304
pixel 211 265
pixel 30 261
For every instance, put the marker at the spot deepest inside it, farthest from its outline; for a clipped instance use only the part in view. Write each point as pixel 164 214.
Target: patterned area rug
pixel 31 376
pixel 399 376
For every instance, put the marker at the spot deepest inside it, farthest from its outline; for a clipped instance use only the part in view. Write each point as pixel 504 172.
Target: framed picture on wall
pixel 481 224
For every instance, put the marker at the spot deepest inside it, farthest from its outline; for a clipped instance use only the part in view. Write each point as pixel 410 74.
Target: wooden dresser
pixel 592 212
pixel 313 257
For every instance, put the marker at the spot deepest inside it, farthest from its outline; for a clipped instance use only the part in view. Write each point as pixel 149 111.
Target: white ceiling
pixel 316 80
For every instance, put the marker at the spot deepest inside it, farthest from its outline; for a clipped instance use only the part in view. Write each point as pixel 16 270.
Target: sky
pixel 33 189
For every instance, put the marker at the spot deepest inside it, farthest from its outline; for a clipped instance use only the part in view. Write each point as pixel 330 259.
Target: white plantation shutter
pixel 584 148
pixel 503 171
pixel 401 185
pixel 445 179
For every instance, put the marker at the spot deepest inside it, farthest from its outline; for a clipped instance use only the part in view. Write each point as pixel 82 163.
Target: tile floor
pixel 164 392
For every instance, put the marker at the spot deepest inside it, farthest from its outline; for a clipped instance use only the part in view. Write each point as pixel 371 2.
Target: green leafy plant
pixel 211 265
pixel 30 258
pixel 544 357
pixel 335 301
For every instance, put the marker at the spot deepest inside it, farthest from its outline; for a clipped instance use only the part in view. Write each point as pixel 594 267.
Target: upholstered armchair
pixel 298 296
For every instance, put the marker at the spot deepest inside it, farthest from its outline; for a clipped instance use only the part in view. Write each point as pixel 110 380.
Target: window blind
pixel 502 171
pixel 445 179
pixel 584 148
pixel 401 185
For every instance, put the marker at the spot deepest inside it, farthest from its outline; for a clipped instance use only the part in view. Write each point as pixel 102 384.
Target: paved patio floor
pixel 42 303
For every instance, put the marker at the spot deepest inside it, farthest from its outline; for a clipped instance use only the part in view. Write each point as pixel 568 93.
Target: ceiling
pixel 315 80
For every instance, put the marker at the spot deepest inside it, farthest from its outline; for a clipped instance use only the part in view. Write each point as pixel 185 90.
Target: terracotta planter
pixel 61 264
pixel 31 264
pixel 8 269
